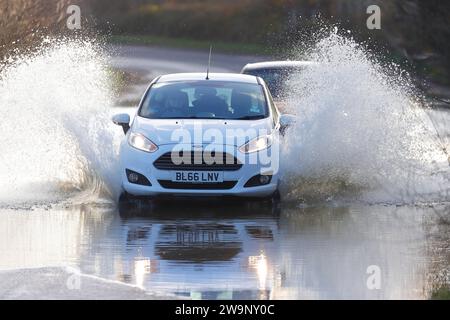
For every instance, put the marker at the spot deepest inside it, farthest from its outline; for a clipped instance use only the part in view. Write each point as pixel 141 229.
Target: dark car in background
pixel 276 74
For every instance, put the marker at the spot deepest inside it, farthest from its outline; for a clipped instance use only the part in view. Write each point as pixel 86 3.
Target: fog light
pixel 133 177
pixel 258 180
pixel 264 179
pixel 137 178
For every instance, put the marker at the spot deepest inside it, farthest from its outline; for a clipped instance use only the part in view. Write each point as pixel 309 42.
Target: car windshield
pixel 275 78
pixel 205 99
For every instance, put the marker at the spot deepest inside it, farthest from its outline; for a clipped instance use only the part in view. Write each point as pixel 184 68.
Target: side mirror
pixel 286 120
pixel 123 120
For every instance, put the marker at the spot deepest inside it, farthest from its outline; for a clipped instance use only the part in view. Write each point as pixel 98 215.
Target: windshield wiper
pixel 212 118
pixel 192 117
pixel 250 117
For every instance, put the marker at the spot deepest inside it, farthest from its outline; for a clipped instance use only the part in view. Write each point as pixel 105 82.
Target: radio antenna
pixel 209 62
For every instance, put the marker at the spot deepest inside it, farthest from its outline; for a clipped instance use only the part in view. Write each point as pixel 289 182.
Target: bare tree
pixel 25 21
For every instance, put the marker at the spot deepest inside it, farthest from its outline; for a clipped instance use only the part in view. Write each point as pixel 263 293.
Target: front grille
pixel 226 185
pixel 196 162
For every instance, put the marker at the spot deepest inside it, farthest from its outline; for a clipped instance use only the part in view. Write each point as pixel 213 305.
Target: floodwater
pixel 239 250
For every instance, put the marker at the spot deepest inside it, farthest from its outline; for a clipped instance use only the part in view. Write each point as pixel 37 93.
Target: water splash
pixel 361 132
pixel 56 139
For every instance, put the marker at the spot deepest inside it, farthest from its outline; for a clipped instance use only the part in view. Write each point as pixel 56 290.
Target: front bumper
pixel 142 162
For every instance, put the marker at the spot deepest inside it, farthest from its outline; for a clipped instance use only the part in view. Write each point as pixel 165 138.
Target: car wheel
pixel 124 197
pixel 129 203
pixel 128 200
pixel 276 196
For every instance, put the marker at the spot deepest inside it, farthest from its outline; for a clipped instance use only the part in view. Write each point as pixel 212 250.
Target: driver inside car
pixel 209 103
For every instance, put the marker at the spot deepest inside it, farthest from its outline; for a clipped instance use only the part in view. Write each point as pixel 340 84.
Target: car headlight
pixel 257 144
pixel 140 142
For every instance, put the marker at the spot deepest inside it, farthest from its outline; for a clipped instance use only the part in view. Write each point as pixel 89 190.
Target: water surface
pixel 222 250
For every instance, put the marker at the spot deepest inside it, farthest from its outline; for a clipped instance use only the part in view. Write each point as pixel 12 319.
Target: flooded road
pixel 73 243
pixel 238 250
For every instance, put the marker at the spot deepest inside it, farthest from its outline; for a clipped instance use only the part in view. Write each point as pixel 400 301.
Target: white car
pixel 202 135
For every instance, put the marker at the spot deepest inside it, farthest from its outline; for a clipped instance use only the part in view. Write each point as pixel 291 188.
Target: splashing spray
pixel 56 136
pixel 362 133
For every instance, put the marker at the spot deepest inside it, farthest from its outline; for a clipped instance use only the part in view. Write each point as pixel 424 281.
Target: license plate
pixel 197 176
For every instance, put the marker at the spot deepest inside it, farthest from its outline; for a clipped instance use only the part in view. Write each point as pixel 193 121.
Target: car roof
pixel 231 77
pixel 277 64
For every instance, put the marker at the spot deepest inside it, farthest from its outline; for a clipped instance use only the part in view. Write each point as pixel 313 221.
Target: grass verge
pixel 218 46
pixel 442 293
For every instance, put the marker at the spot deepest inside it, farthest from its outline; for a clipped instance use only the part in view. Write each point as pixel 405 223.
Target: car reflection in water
pixel 245 250
pixel 223 250
pixel 203 252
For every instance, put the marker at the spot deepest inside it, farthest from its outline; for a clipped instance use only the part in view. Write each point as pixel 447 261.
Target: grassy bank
pixel 442 293
pixel 185 43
